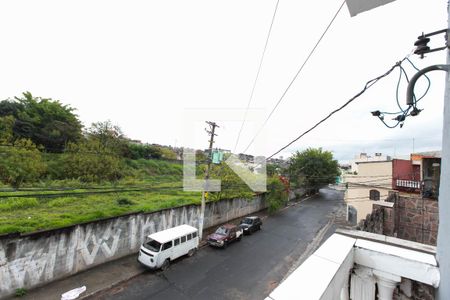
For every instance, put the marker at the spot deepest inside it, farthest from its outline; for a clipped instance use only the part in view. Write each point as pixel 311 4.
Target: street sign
pixel 358 6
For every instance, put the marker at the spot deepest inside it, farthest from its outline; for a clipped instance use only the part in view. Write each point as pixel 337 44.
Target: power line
pixel 257 75
pixel 296 75
pixel 368 84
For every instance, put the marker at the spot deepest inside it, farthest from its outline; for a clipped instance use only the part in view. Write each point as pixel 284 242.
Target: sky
pixel 160 69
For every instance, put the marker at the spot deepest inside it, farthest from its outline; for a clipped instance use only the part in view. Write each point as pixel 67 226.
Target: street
pixel 248 269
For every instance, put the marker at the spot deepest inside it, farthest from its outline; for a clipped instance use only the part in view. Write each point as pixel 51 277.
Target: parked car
pixel 250 224
pixel 224 235
pixel 162 247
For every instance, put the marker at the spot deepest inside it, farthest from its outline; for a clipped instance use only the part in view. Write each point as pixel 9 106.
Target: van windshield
pixel 152 245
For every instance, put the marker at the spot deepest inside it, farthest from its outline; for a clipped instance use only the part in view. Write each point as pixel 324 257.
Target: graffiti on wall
pixel 30 262
pixel 35 259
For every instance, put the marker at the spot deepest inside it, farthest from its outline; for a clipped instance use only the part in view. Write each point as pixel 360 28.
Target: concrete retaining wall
pixel 30 260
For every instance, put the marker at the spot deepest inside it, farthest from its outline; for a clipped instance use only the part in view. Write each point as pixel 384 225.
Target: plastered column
pixel 386 283
pixel 362 285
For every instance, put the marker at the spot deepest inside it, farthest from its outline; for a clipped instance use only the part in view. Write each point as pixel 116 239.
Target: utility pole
pixel 211 132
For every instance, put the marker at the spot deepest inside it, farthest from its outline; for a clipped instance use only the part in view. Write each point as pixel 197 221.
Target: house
pixel 372 183
pixel 420 174
pixel 364 157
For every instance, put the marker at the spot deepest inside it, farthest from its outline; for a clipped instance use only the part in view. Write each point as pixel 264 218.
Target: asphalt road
pixel 249 269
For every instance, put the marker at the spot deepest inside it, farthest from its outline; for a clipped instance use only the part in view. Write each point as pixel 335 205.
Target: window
pixel 194 234
pixel 189 236
pixel 183 239
pixel 374 195
pixel 166 246
pixel 176 242
pixel 152 245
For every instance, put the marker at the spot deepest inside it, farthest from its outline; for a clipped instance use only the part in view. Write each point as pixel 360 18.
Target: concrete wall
pixel 378 168
pixel 358 197
pixel 30 260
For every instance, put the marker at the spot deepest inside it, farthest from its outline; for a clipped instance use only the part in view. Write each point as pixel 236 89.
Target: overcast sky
pixel 159 69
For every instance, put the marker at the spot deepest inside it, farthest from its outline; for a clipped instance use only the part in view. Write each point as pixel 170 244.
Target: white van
pixel 162 247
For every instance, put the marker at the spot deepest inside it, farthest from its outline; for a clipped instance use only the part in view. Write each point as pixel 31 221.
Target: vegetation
pixel 312 169
pixel 91 161
pixel 20 292
pixel 232 185
pixel 277 193
pixel 53 173
pixel 27 214
pixel 44 121
pixel 21 163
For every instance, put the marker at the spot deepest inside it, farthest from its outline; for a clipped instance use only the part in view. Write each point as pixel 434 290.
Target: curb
pixel 110 286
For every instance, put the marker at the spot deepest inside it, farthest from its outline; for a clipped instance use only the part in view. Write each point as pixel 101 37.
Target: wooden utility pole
pixel 211 132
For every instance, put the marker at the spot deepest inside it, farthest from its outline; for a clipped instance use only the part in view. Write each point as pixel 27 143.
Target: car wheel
pixel 239 238
pixel 165 265
pixel 225 245
pixel 192 252
pixel 259 227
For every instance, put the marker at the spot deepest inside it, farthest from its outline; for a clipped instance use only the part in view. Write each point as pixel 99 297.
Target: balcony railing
pixel 361 265
pixel 408 184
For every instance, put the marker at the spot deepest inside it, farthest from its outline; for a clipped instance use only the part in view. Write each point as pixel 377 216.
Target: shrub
pixel 124 201
pixel 21 163
pixel 91 162
pixel 276 195
pixel 20 292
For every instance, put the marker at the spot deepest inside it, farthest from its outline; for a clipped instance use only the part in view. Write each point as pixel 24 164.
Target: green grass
pixel 32 214
pixel 44 211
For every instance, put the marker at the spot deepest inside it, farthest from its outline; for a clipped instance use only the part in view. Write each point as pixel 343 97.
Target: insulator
pixel 422 41
pixel 422 49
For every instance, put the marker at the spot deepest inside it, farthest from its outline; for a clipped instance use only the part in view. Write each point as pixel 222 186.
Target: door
pixel 166 252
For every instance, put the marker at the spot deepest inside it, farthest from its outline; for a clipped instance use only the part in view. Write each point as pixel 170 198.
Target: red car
pixel 224 235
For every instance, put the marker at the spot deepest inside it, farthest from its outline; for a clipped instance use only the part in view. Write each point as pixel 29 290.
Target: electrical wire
pixel 257 75
pixel 404 113
pixel 368 85
pixel 295 77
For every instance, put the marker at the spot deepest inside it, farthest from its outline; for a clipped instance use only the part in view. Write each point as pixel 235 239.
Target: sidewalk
pixel 96 279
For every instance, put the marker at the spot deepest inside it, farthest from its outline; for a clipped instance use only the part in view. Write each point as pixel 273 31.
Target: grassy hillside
pixel 151 185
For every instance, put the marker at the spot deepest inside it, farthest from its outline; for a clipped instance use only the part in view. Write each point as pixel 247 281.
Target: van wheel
pixel 165 265
pixel 192 252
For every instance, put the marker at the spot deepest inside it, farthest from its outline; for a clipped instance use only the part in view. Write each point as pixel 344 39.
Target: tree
pixel 6 129
pixel 138 151
pixel 110 136
pixel 277 193
pixel 90 161
pixel 44 121
pixel 20 163
pixel 168 153
pixel 232 186
pixel 272 169
pixel 313 168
